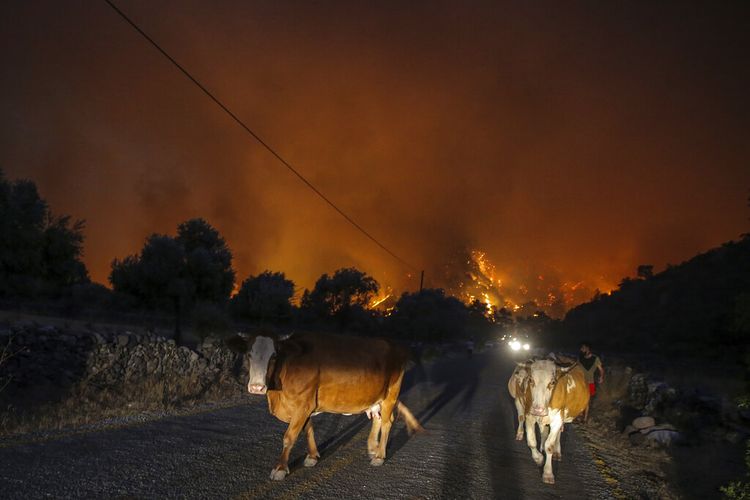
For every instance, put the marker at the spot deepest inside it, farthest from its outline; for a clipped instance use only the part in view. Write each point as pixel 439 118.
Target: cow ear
pixel 523 364
pixel 237 344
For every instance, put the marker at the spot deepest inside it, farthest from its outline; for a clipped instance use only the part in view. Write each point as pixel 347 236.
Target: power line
pixel 256 136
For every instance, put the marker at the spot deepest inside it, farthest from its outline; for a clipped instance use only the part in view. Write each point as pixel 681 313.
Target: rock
pixel 660 427
pixel 644 422
pixel 664 437
pixel 123 340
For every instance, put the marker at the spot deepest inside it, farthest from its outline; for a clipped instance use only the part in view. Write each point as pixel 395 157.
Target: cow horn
pixel 566 369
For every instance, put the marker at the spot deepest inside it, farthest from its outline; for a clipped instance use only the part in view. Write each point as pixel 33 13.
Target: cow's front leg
pixel 531 440
pixel 555 426
pixel 372 439
pixel 386 420
pixel 557 455
pixel 521 413
pixel 312 449
pixel 290 436
pixel 544 432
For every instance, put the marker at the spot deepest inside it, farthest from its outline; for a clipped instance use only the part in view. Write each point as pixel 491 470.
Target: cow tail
pixel 412 424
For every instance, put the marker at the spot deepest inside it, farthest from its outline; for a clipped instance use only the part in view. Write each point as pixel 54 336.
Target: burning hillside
pixel 523 289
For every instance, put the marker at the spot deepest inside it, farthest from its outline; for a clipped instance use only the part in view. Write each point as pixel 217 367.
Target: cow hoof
pixel 311 461
pixel 279 474
pixel 519 437
pixel 548 479
pixel 377 462
pixel 538 458
pixel 370 454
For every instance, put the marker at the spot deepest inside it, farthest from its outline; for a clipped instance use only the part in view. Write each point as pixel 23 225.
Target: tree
pixel 266 296
pixel 208 260
pixel 645 271
pixel 335 295
pixel 175 273
pixel 429 315
pixel 39 252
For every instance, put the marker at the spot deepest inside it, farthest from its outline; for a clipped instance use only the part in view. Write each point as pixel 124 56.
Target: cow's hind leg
pixel 531 441
pixel 555 427
pixel 372 439
pixel 312 449
pixel 386 420
pixel 521 413
pixel 290 436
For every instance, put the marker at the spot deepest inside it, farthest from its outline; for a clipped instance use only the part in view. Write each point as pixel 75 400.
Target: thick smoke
pixel 560 142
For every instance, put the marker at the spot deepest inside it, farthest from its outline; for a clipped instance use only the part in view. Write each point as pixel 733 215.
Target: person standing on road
pixel 591 364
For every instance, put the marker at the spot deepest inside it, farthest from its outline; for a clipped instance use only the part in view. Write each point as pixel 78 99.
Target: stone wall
pixel 92 370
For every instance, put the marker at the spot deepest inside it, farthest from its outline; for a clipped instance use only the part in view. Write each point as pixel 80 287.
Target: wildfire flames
pixel 472 276
pixel 518 289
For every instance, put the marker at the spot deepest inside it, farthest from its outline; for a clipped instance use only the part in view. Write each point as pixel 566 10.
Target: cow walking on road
pixel 307 374
pixel 554 395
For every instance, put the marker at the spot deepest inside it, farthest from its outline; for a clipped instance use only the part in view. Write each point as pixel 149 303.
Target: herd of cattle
pixel 303 375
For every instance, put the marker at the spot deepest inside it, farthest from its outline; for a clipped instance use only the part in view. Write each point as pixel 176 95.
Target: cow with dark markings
pixel 306 374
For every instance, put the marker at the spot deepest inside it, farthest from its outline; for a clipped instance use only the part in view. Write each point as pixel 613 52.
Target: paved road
pixel 468 452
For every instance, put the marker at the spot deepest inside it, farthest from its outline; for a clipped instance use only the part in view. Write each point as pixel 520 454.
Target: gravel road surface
pixel 469 451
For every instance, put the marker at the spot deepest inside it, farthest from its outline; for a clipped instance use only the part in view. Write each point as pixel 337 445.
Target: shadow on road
pixel 498 439
pixel 331 444
pixel 458 378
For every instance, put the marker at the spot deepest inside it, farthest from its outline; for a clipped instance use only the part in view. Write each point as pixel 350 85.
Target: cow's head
pixel 543 375
pixel 261 351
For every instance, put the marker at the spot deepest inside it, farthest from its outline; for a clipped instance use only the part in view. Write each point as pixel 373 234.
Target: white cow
pixel 553 395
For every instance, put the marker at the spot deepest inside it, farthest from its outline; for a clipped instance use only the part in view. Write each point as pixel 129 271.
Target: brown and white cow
pixel 307 374
pixel 517 390
pixel 554 395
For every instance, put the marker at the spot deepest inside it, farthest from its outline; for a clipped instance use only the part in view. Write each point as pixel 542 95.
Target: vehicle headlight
pixel 526 347
pixel 515 345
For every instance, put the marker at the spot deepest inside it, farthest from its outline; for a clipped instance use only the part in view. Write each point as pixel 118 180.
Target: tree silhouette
pixel 177 272
pixel 39 253
pixel 645 271
pixel 335 295
pixel 429 315
pixel 264 297
pixel 208 260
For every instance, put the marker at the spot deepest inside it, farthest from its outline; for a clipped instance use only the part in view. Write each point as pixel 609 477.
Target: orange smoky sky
pixel 579 139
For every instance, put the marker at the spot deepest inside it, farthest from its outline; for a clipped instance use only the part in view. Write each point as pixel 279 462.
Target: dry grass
pixel 87 403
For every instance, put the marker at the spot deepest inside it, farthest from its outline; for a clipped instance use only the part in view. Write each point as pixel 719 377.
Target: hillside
pixel 698 307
